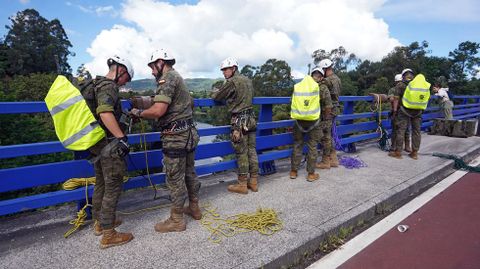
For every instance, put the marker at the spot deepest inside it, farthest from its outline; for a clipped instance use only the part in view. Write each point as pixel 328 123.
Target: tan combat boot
pixel 333 159
pixel 252 182
pixel 325 163
pixel 193 209
pixel 240 187
pixel 312 177
pixel 293 174
pixel 175 223
pixel 395 154
pixel 113 238
pixel 97 228
pixel 413 155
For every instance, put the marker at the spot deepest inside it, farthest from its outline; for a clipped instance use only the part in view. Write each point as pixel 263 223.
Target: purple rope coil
pixel 351 162
pixel 335 138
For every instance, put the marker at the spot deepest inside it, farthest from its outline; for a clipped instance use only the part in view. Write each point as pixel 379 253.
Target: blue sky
pixel 84 22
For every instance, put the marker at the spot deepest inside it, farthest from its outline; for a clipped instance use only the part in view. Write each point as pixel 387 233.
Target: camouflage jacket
pixel 237 92
pixel 107 99
pixel 172 91
pixel 325 97
pixel 335 87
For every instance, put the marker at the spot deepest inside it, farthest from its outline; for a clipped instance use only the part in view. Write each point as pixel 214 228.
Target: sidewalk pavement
pixel 309 211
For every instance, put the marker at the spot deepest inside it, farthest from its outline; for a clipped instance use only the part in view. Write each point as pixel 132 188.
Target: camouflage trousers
pixel 109 173
pixel 179 163
pixel 246 154
pixel 326 136
pixel 446 108
pixel 402 123
pixel 299 140
pixel 394 131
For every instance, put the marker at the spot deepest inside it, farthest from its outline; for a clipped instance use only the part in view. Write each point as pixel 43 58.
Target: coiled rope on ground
pixel 264 220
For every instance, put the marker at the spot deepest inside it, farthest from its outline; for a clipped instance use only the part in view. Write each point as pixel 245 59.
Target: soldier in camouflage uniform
pixel 109 168
pixel 316 130
pixel 237 91
pixel 404 118
pixel 173 109
pixel 394 103
pixel 335 87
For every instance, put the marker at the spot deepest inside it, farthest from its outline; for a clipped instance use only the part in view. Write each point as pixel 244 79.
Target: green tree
pixel 464 60
pixel 36 45
pixel 82 72
pixel 273 78
pixel 249 71
pixel 3 59
pixel 340 57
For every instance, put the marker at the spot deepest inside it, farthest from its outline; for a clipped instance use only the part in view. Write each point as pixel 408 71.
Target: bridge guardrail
pixel 24 177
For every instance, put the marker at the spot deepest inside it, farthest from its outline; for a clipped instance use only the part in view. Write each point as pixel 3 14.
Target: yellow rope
pixel 264 220
pixel 82 213
pixel 144 144
pixel 75 183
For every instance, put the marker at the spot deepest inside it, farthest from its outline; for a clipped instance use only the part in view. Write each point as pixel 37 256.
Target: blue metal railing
pixel 13 179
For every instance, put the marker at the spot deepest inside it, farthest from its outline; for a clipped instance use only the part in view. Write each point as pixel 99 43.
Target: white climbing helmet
pixel 398 77
pixel 319 69
pixel 121 61
pixel 229 62
pixel 406 70
pixel 161 54
pixel 325 63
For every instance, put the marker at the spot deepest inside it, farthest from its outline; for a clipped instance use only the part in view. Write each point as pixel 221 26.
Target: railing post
pixel 266 115
pixel 348 109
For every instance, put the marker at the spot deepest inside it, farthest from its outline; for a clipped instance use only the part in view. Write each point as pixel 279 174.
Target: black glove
pixel 123 147
pixel 117 147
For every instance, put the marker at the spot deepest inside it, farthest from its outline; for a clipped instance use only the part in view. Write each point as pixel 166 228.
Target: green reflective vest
pixel 75 125
pixel 306 100
pixel 417 93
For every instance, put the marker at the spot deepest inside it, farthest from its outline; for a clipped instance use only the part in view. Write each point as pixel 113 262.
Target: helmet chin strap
pixel 233 73
pixel 159 74
pixel 117 75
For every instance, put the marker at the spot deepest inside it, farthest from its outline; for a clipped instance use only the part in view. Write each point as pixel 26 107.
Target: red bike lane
pixel 444 233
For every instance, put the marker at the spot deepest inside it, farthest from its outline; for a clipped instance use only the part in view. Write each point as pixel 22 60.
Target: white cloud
pixel 106 10
pixel 253 31
pixel 24 2
pixel 98 10
pixel 432 10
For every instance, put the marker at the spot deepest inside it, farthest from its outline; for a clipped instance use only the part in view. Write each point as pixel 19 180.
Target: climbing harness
pixel 264 220
pixel 459 163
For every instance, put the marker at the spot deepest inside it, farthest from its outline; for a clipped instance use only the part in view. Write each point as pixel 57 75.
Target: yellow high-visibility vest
pixel 306 100
pixel 75 125
pixel 417 93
